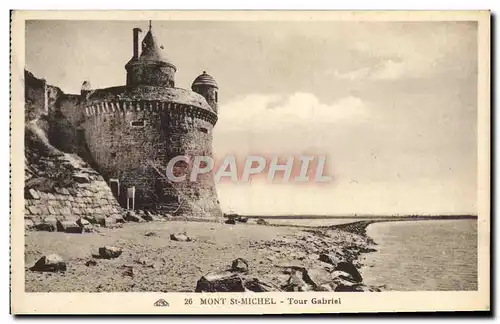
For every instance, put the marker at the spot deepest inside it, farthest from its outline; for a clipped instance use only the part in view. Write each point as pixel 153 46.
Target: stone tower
pixel 132 131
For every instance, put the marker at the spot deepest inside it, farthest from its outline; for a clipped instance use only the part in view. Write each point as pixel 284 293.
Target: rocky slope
pixel 61 186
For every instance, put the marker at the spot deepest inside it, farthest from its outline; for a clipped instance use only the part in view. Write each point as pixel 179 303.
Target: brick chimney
pixel 137 31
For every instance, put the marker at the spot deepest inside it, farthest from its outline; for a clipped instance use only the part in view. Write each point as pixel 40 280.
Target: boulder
pixel 317 276
pixel 181 237
pixel 296 283
pixel 91 262
pixel 239 265
pixel 255 285
pixel 29 224
pixel 326 287
pixel 110 252
pixel 96 219
pixel 119 218
pixel 342 285
pixel 132 217
pixel 115 225
pixel 109 221
pixel 261 221
pixel 230 221
pixel 329 258
pixel 50 263
pixel 145 262
pixel 220 282
pixel 242 219
pixel 129 272
pixel 85 225
pixel 342 275
pixel 147 217
pixel 350 269
pixel 45 227
pixel 50 220
pixel 151 234
pixel 69 227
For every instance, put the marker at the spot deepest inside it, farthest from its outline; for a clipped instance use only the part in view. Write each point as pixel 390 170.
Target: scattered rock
pixel 29 224
pixel 329 258
pixel 110 252
pixel 230 221
pixel 129 272
pixel 342 275
pixel 96 219
pixel 45 227
pixel 69 227
pixel 109 221
pixel 326 287
pixel 261 221
pixel 147 217
pixel 91 262
pixel 255 285
pixel 49 263
pixel 316 277
pixel 342 285
pixel 50 220
pixel 132 217
pixel 350 269
pixel 85 225
pixel 119 218
pixel 115 225
pixel 296 283
pixel 220 282
pixel 182 237
pixel 146 262
pixel 239 265
pixel 242 219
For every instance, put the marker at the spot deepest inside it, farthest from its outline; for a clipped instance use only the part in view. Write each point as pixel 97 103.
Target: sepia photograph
pixel 304 158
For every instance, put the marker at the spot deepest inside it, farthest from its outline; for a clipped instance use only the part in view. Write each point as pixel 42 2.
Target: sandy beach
pixel 152 261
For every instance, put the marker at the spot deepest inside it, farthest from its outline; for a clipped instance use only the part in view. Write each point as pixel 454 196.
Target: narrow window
pixel 203 130
pixel 138 123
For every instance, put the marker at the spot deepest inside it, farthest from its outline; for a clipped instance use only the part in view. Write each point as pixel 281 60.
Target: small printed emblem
pixel 161 303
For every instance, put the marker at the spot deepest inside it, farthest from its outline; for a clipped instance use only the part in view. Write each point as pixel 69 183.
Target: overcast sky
pixel 392 105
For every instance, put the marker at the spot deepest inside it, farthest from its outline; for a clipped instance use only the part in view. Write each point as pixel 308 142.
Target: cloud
pixel 278 111
pixel 388 70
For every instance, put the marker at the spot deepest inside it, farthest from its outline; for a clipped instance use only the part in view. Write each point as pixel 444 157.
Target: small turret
pixel 206 86
pixel 151 67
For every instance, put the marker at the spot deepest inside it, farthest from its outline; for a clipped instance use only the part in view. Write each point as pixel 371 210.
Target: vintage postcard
pixel 250 162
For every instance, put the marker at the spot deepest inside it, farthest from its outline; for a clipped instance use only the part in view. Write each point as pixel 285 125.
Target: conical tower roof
pixel 151 51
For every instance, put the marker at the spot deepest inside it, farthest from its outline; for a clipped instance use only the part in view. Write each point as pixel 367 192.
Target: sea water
pixel 423 255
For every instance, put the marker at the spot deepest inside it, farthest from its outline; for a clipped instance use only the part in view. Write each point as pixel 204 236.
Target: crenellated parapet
pixel 179 109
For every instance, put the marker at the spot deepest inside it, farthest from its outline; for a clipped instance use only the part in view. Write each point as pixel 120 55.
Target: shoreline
pixel 273 252
pixel 161 264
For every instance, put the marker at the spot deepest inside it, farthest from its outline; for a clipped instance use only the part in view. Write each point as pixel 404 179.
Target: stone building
pixel 129 133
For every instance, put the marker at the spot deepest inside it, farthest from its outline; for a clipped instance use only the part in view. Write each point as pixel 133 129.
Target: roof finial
pixel 150 25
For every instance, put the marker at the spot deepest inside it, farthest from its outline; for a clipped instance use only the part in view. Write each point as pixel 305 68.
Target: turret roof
pixel 205 79
pixel 151 51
